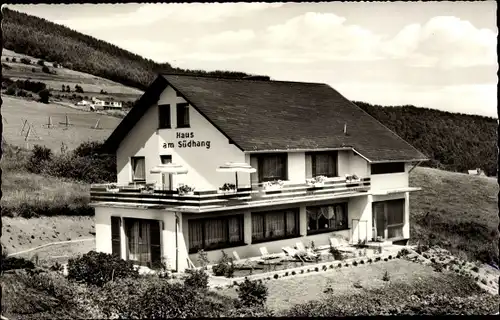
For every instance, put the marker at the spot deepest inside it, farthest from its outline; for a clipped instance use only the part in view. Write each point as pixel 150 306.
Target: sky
pixel 439 55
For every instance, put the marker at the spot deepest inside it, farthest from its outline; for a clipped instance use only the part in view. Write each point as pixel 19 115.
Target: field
pixel 462 212
pixel 15 110
pixel 90 83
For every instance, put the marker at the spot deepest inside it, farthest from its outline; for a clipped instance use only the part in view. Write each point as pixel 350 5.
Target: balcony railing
pixel 213 198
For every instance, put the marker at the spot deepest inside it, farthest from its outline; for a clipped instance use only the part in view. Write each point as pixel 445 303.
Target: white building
pixel 106 104
pixel 287 131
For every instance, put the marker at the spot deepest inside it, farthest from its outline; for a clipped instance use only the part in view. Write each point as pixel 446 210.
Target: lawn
pixel 285 292
pixel 462 212
pixel 15 110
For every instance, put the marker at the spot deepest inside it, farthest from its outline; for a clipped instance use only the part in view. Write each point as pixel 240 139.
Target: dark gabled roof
pixel 260 115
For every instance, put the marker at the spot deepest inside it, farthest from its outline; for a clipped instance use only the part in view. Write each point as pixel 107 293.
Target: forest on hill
pixel 453 141
pixel 46 40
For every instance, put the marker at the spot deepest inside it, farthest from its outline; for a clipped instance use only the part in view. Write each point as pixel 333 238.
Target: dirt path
pixel 50 244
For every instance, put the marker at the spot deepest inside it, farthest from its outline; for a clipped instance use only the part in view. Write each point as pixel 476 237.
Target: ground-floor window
pixel 143 241
pixel 326 218
pixel 116 247
pixel 388 218
pixel 274 225
pixel 215 233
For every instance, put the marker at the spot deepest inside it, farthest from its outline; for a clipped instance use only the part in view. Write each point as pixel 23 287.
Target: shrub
pixel 346 265
pixel 316 269
pixel 14 60
pixel 324 268
pixel 78 89
pixel 331 266
pixel 224 266
pixel 433 260
pixel 386 276
pixel 339 265
pixel 203 259
pixel 484 281
pixel 276 276
pixel 355 263
pixel 286 274
pixel 293 273
pixel 40 63
pixel 196 279
pixel 308 270
pixel 33 70
pixel 40 157
pixel 475 269
pixel 437 267
pixel 45 69
pixel 362 262
pixel 97 268
pixel 24 60
pixel 390 257
pixel 44 96
pixel 13 263
pixel 385 259
pixel 302 271
pixel 370 260
pixel 337 255
pixel 252 293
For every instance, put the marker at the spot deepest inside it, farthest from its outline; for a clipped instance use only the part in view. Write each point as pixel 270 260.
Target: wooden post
pixel 24 126
pixel 97 124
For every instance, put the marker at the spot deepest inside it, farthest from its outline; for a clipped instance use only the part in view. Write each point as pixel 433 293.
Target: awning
pixel 393 191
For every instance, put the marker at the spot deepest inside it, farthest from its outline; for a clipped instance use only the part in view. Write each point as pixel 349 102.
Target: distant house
pixel 313 165
pixel 106 104
pixel 476 172
pixel 83 103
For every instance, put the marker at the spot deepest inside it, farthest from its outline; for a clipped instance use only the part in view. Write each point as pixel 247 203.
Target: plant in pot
pixel 185 190
pixel 317 182
pixel 273 185
pixel 228 188
pixel 112 188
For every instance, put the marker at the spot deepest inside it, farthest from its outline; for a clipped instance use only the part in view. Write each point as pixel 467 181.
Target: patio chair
pixel 266 255
pixel 294 254
pixel 241 263
pixel 343 247
pixel 301 248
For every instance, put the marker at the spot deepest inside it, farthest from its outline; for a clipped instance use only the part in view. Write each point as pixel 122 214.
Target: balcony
pixel 213 200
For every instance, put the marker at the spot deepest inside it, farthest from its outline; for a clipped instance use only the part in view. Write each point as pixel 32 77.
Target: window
pixel 275 225
pixel 115 236
pixel 165 159
pixel 164 116
pixel 182 115
pixel 326 218
pixel 388 218
pixel 138 168
pixel 272 167
pixel 322 163
pixel 215 233
pixel 388 167
pixel 143 241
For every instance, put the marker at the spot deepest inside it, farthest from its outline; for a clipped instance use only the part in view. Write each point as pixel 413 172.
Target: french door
pixel 388 219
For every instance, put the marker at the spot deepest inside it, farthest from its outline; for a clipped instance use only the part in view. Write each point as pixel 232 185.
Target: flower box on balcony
pixel 185 190
pixel 273 185
pixel 112 188
pixel 227 188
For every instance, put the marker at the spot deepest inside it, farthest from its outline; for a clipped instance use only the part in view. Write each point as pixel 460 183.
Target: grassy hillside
pixel 454 142
pixel 42 39
pixel 15 69
pixel 15 110
pixel 456 211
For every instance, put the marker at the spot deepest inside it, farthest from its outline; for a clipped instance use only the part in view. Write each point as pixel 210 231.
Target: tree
pixel 41 63
pixel 45 69
pixel 44 96
pixel 78 89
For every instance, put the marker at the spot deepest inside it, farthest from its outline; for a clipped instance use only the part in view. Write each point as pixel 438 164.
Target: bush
pixel 293 273
pixel 14 60
pixel 39 159
pixel 45 69
pixel 40 63
pixel 370 260
pixel 362 262
pixel 337 255
pixel 475 269
pixel 286 274
pixel 224 266
pixel 44 96
pixel 316 269
pixel 324 268
pixel 24 60
pixel 355 263
pixel 302 271
pixel 276 276
pixel 97 268
pixel 252 293
pixel 331 266
pixel 390 257
pixel 196 279
pixel 385 259
pixel 78 89
pixel 377 259
pixel 339 265
pixel 14 263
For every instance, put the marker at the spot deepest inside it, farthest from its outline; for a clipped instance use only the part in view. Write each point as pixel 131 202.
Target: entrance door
pixel 388 218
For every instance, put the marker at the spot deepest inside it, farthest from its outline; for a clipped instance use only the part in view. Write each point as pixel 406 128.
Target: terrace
pixel 217 200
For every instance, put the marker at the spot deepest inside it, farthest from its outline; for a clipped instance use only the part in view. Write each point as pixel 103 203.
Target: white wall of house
pixel 296 167
pixel 103 231
pixel 146 140
pixel 358 208
pixel 390 180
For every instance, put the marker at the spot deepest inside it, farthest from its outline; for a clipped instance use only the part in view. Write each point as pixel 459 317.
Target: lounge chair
pixel 295 255
pixel 241 263
pixel 309 252
pixel 266 255
pixel 343 247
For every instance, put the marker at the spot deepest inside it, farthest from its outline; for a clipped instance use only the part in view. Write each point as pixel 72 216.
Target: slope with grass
pixel 15 110
pixel 456 211
pixel 91 85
